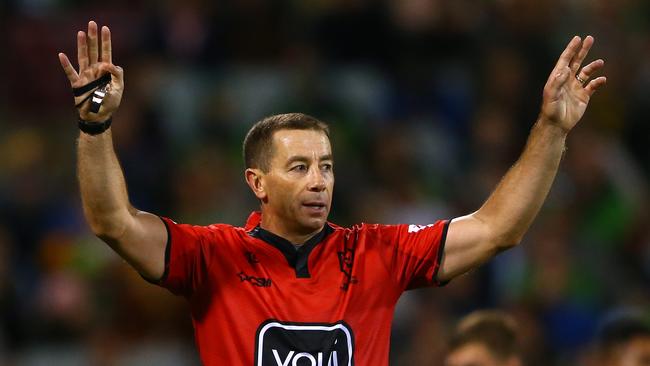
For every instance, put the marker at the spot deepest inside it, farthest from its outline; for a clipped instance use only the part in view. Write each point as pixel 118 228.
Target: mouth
pixel 315 207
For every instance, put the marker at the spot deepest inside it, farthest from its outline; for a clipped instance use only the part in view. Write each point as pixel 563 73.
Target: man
pixel 290 288
pixel 624 340
pixel 484 338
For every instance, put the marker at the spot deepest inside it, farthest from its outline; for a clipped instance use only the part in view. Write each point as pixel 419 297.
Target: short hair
pixel 495 330
pixel 620 327
pixel 258 143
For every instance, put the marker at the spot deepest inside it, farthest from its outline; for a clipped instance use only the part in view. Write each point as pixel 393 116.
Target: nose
pixel 316 181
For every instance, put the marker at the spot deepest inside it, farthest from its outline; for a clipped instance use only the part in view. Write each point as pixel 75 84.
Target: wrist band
pixel 94 128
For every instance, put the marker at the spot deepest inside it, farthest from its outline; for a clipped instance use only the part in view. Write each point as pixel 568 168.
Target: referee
pixel 289 287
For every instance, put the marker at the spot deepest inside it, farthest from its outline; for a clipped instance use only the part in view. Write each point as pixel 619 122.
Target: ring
pixel 581 80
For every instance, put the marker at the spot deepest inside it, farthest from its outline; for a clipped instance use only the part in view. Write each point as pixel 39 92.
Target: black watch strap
pixel 94 128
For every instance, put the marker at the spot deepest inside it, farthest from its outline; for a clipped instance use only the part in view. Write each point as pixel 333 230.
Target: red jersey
pixel 257 300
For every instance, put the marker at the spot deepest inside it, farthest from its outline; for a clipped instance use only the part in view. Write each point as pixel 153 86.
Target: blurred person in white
pixel 623 339
pixel 484 338
pixel 359 273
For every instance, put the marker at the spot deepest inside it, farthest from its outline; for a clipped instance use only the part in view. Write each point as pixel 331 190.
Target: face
pixel 635 353
pixel 475 354
pixel 296 192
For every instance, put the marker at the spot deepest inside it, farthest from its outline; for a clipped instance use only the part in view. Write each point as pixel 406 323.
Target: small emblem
pixel 346 260
pixel 416 228
pixel 251 258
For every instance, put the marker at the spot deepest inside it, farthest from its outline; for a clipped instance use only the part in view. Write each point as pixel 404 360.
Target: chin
pixel 314 223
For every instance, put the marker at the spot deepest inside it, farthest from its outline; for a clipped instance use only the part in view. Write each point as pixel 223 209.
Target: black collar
pixel 296 257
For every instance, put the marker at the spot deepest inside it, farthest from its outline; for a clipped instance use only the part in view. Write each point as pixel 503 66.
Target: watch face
pixel 304 344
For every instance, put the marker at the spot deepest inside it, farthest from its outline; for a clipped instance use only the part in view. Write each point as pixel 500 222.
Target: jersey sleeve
pixel 189 253
pixel 414 252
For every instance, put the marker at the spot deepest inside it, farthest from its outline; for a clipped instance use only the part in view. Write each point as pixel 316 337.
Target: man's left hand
pixel 569 88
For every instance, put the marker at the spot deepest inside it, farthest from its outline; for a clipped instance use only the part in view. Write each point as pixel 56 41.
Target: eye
pixel 327 167
pixel 299 168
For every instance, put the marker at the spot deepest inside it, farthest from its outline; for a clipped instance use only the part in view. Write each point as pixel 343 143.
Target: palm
pixel 565 97
pixel 569 105
pixel 113 96
pixel 87 75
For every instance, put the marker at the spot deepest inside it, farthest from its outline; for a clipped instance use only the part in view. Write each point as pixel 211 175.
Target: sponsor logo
pixel 304 344
pixel 255 281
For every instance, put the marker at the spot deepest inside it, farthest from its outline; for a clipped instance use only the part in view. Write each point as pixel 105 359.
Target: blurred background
pixel 430 102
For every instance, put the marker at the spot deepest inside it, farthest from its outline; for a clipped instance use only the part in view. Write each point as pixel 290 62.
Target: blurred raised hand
pixel 569 88
pixel 93 66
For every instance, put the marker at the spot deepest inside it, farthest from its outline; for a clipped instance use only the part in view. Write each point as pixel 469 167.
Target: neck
pixel 272 224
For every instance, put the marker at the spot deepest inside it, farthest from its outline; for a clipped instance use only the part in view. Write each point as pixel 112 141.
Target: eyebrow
pixel 303 158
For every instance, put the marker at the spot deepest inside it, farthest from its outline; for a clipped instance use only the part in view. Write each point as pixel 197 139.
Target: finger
pixel 584 50
pixel 117 74
pixel 67 67
pixel 568 53
pixel 595 85
pixel 93 51
pixel 82 51
pixel 107 55
pixel 589 70
pixel 114 70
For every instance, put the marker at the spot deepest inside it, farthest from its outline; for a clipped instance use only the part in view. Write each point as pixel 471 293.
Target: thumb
pixel 117 73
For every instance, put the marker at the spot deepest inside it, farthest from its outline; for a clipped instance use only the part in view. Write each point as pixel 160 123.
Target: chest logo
pixel 253 280
pixel 304 344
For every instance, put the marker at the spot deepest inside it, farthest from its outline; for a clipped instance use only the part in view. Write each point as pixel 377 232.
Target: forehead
pixel 306 143
pixel 471 354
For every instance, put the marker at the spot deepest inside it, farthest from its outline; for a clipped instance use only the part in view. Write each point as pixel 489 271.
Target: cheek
pixel 331 188
pixel 281 192
pixel 329 180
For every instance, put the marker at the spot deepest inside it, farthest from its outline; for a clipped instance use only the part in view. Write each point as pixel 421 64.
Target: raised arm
pixel 137 236
pixel 505 217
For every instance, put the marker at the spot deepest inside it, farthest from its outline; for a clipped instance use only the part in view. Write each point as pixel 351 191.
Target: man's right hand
pixel 91 68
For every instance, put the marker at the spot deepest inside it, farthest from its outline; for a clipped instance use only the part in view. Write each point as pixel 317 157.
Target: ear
pixel 255 180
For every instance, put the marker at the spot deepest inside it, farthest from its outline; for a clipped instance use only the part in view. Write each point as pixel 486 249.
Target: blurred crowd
pixel 429 101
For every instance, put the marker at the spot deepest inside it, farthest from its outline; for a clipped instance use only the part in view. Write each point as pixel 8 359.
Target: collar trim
pixel 297 258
